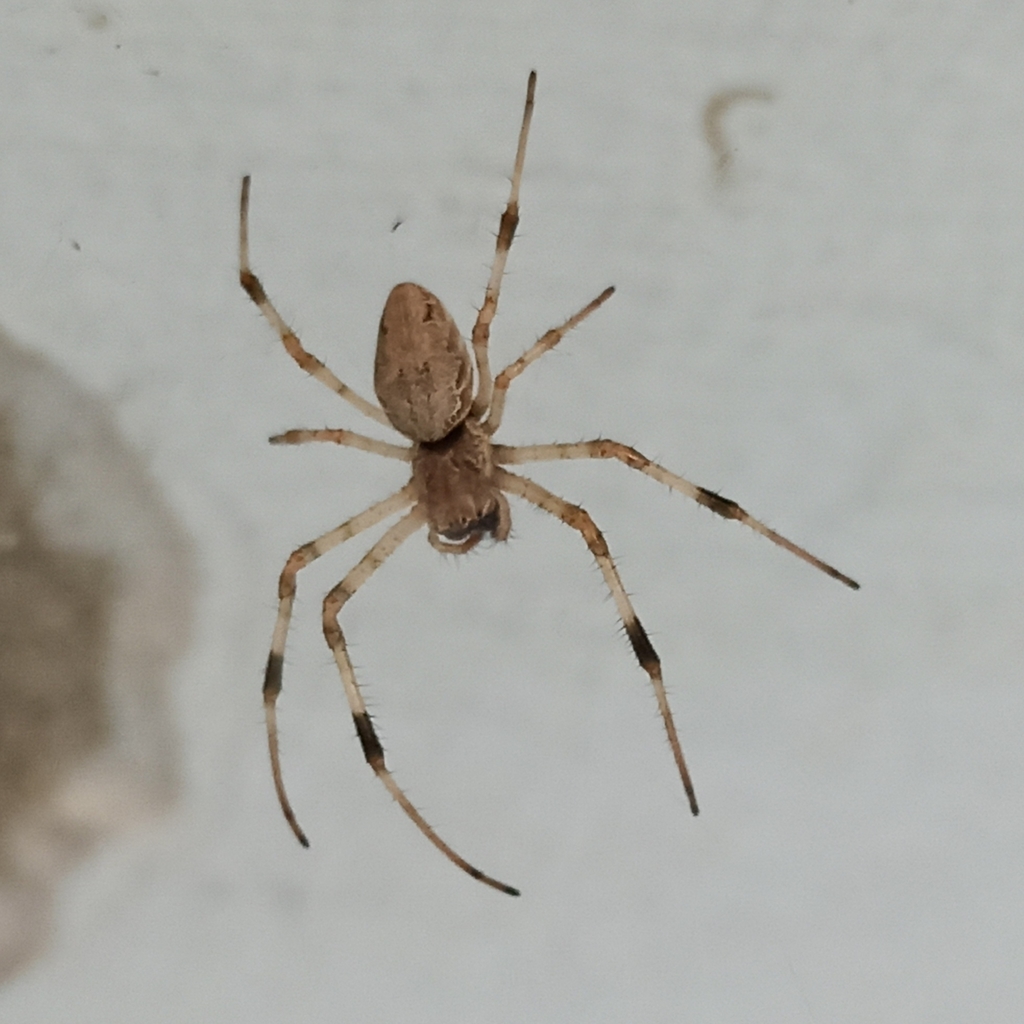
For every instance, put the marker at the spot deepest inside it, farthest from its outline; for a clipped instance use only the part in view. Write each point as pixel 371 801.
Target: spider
pixel 424 380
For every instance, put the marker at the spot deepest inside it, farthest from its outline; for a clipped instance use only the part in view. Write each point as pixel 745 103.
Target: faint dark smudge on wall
pixel 96 578
pixel 715 111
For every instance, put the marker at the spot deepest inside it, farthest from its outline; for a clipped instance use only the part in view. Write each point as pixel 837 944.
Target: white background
pixel 832 336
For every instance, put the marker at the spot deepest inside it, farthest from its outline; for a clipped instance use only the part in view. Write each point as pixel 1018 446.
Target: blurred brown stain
pixel 96 581
pixel 714 133
pixel 54 635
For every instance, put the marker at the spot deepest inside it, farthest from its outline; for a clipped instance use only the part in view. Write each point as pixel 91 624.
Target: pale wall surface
pixel 833 336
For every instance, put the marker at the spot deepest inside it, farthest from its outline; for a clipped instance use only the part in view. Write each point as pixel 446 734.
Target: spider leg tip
pixel 844 579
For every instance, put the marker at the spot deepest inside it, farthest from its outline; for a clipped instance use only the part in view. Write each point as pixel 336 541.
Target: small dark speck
pixel 398 223
pixel 75 246
pixel 153 72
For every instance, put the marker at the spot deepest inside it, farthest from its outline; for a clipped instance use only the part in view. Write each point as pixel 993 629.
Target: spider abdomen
pixel 422 373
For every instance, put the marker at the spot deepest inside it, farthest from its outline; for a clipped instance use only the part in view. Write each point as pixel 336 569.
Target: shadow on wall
pixel 95 585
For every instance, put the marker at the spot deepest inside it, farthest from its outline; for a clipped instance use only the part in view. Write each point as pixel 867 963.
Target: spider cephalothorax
pixel 455 483
pixel 423 377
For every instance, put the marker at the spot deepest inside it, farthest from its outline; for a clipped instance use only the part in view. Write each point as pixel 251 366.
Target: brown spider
pixel 424 377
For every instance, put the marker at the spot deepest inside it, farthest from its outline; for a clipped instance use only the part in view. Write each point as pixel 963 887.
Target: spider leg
pixel 306 360
pixel 506 232
pixel 347 438
pixel 724 507
pixel 372 749
pixel 547 342
pixel 297 561
pixel 579 519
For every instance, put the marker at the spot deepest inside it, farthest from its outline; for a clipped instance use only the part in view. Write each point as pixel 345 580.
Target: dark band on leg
pixel 725 507
pixel 507 228
pixel 273 676
pixel 251 283
pixel 372 750
pixel 642 646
